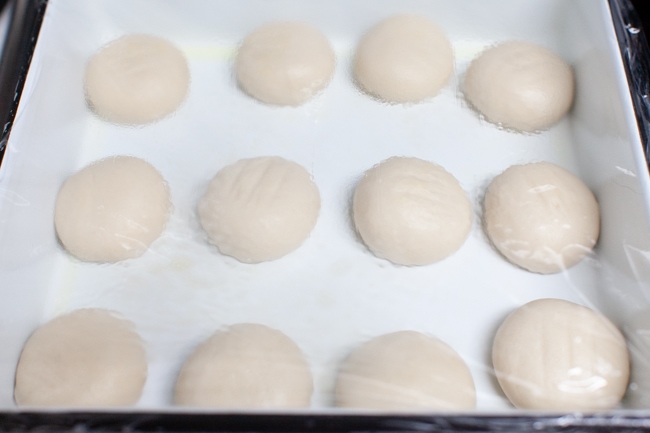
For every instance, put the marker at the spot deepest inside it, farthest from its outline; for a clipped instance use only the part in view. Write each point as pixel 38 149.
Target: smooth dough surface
pixel 520 85
pixel 552 354
pixel 260 209
pixel 284 63
pixel 136 79
pixel 246 366
pixel 541 217
pixel 88 358
pixel 405 371
pixel 411 212
pixel 112 209
pixel 404 58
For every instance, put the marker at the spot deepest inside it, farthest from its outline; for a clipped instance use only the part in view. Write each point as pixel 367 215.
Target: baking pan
pixel 331 294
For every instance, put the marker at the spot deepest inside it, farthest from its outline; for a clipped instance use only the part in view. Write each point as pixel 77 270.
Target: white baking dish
pixel 331 294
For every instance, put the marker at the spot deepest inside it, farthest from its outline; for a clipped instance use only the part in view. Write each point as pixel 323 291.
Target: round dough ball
pixel 136 79
pixel 406 371
pixel 112 209
pixel 520 85
pixel 541 217
pixel 411 212
pixel 87 358
pixel 260 209
pixel 284 63
pixel 247 366
pixel 552 354
pixel 404 58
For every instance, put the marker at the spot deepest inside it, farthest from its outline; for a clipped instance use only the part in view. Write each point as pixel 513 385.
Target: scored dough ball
pixel 541 217
pixel 405 370
pixel 284 63
pixel 136 79
pixel 411 212
pixel 520 85
pixel 86 358
pixel 404 58
pixel 552 354
pixel 246 366
pixel 112 209
pixel 259 209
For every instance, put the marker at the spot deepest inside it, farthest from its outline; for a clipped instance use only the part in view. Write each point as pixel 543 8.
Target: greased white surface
pixel 331 294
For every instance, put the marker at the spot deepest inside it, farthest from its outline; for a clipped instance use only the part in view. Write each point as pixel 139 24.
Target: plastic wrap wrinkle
pixel 331 294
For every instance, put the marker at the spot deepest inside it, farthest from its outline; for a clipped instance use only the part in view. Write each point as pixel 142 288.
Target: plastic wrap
pixel 331 295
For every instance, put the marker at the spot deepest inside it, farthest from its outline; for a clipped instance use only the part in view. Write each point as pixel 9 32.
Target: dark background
pixel 643 8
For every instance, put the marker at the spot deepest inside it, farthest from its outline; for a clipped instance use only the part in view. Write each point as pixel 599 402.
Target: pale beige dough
pixel 520 85
pixel 284 63
pixel 259 209
pixel 112 209
pixel 411 211
pixel 88 358
pixel 405 371
pixel 404 58
pixel 541 217
pixel 246 366
pixel 136 79
pixel 552 354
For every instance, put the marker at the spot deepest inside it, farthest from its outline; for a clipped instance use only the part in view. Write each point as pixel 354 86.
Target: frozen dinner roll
pixel 284 63
pixel 520 85
pixel 552 354
pixel 112 209
pixel 259 209
pixel 404 58
pixel 541 217
pixel 411 211
pixel 405 371
pixel 245 366
pixel 87 358
pixel 136 79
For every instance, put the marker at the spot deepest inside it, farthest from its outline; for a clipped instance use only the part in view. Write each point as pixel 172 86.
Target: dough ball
pixel 404 58
pixel 260 209
pixel 284 63
pixel 411 212
pixel 246 366
pixel 87 358
pixel 520 85
pixel 112 209
pixel 541 217
pixel 407 371
pixel 136 79
pixel 552 354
